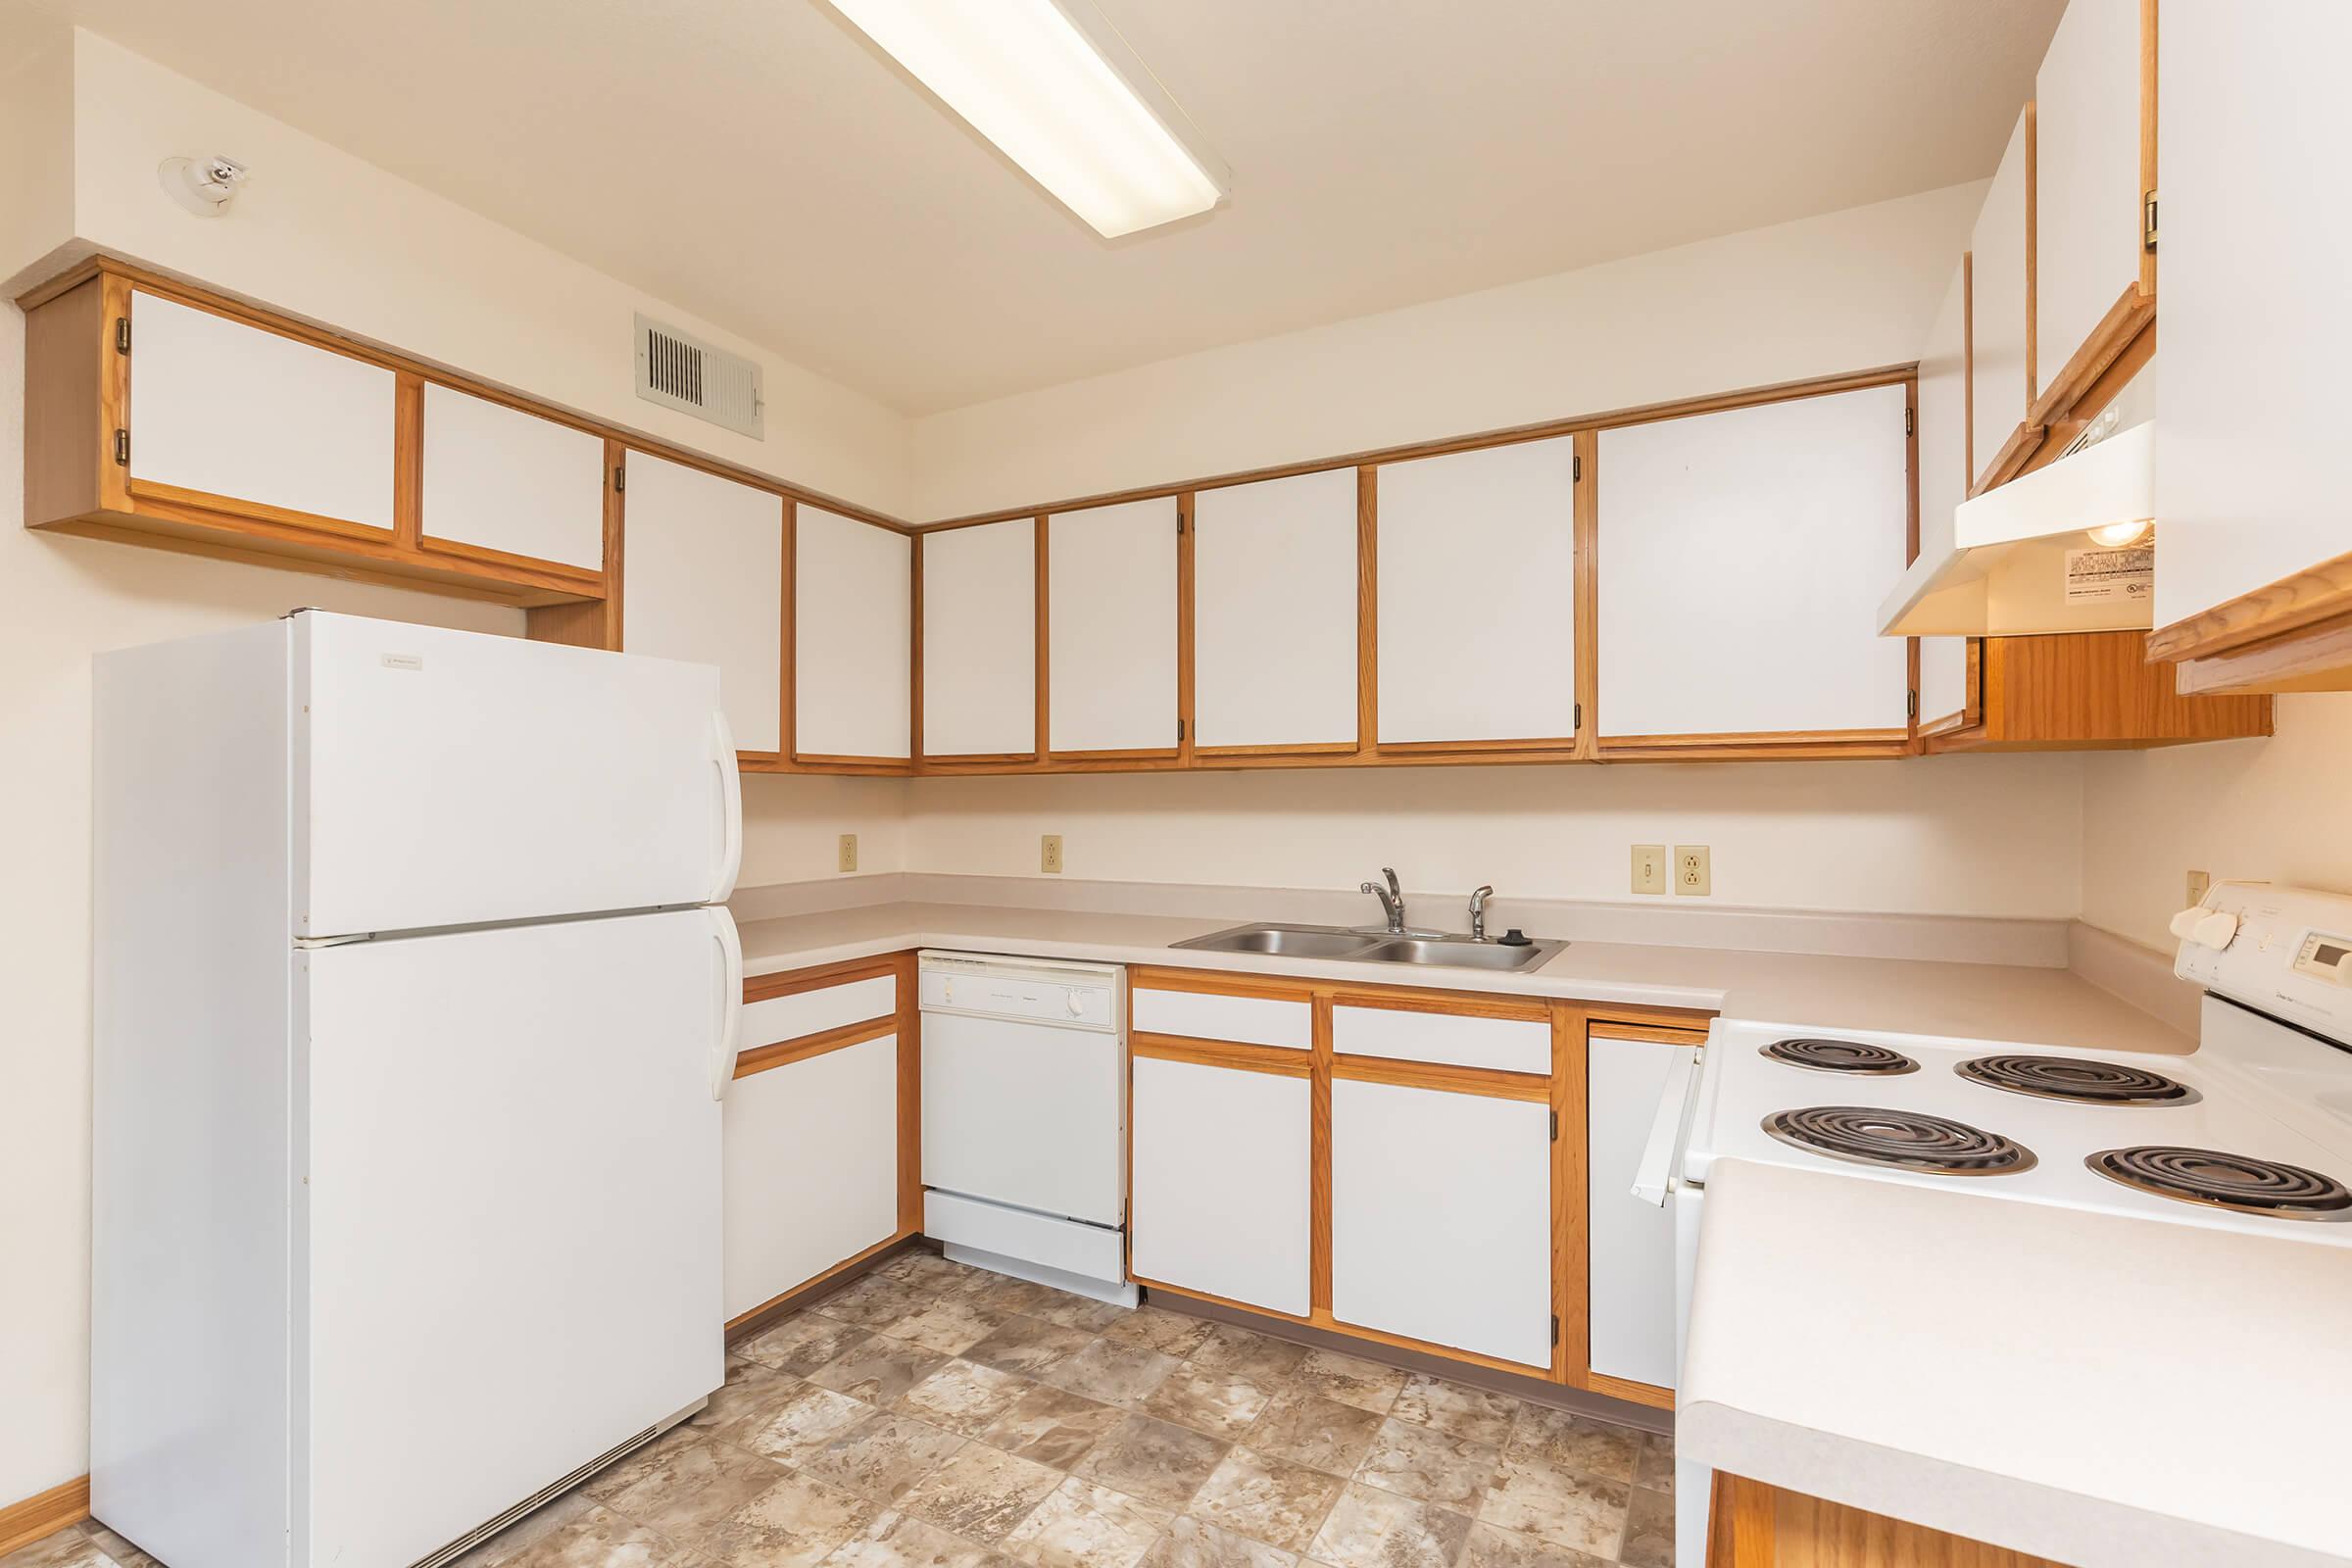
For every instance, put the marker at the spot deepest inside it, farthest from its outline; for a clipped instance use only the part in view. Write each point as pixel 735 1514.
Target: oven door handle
pixel 1653 1177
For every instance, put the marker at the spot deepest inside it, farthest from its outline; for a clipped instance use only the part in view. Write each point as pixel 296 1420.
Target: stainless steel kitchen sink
pixel 1373 947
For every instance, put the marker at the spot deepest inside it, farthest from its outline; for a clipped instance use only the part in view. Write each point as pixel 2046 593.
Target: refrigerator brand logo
pixel 404 660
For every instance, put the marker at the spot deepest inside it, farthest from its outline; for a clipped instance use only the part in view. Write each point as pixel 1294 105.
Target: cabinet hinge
pixel 1180 732
pixel 1555 1126
pixel 122 334
pixel 1576 469
pixel 123 446
pixel 620 478
pixel 2148 221
pixel 1911 705
pixel 1555 1328
pixel 1910 423
pixel 1577 724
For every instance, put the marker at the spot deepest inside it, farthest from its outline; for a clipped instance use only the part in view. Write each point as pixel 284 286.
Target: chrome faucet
pixel 1478 913
pixel 1391 900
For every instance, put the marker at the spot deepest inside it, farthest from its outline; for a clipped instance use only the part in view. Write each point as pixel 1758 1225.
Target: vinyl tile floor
pixel 936 1416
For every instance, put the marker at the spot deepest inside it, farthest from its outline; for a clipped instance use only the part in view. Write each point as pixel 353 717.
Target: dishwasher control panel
pixel 1074 995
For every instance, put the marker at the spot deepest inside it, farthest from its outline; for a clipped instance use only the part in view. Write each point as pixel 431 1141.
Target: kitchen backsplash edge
pixel 1964 938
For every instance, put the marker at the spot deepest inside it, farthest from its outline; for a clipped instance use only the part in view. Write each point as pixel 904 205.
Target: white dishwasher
pixel 1024 1119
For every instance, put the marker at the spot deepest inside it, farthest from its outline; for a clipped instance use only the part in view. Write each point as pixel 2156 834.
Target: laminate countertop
pixel 2011 1003
pixel 2099 1390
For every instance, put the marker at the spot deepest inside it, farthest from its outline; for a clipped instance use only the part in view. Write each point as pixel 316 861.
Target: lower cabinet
pixel 1223 1165
pixel 1440 1217
pixel 811 1170
pixel 1630 1282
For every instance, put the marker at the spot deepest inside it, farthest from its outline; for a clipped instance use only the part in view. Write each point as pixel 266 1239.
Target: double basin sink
pixel 1337 941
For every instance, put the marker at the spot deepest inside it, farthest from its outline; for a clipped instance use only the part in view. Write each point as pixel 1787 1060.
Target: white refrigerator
pixel 413 997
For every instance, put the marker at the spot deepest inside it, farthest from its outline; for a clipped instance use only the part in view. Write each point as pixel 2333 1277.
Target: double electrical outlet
pixel 1692 872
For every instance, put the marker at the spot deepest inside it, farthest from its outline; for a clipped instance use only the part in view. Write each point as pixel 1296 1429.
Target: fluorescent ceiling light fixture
pixel 1061 94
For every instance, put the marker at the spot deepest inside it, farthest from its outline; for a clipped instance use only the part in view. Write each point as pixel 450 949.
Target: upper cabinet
pixel 852 634
pixel 2093 126
pixel 1110 642
pixel 2001 338
pixel 226 412
pixel 1275 623
pixel 1742 556
pixel 979 642
pixel 705 582
pixel 1941 452
pixel 494 478
pixel 2254 549
pixel 1476 570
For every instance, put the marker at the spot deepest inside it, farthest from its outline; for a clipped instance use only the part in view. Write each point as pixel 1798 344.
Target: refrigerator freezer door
pixel 449 778
pixel 511 1166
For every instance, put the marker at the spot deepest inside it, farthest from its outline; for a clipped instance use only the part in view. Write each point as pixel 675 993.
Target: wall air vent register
pixel 679 371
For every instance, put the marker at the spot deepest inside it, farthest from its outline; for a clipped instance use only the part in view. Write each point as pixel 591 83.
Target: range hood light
pixel 2122 535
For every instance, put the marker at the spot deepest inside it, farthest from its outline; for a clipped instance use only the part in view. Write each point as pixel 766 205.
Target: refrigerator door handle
pixel 730 1001
pixel 731 807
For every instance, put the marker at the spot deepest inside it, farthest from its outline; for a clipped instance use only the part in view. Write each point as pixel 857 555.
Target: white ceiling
pixel 752 162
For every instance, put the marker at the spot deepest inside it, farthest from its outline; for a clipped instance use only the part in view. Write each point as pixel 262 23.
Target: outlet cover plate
pixel 1049 853
pixel 1693 875
pixel 848 852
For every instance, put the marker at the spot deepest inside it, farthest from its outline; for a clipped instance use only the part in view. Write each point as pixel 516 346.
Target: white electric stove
pixel 2250 1133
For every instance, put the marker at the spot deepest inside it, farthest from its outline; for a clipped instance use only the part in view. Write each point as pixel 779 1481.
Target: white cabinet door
pixel 1440 1218
pixel 703 581
pixel 1476 563
pixel 811 1168
pixel 851 637
pixel 2000 246
pixel 2086 176
pixel 1274 611
pixel 229 409
pixel 497 478
pixel 2250 485
pixel 980 640
pixel 1222 1161
pixel 1112 635
pixel 1944 470
pixel 1631 1288
pixel 1744 556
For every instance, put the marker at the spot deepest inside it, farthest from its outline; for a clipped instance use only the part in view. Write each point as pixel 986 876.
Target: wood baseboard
pixel 44 1513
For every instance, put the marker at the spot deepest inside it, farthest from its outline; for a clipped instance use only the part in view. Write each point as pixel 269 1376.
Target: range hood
pixel 2070 547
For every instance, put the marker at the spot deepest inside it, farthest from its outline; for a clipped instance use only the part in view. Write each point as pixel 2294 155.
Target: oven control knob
pixel 2185 924
pixel 2217 929
pixel 1077 1003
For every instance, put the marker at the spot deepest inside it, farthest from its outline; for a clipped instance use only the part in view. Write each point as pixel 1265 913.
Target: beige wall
pixel 321 235
pixel 1848 291
pixel 2271 810
pixel 1994 836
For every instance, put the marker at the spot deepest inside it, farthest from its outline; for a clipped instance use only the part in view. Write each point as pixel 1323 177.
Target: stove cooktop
pixel 2183 1139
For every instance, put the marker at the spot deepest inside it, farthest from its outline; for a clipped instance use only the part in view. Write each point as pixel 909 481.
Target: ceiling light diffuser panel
pixel 1059 93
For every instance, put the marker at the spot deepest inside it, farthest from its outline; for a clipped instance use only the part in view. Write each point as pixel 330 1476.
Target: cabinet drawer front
pixel 811 1012
pixel 1505 1044
pixel 1222 1162
pixel 1244 1020
pixel 810 1162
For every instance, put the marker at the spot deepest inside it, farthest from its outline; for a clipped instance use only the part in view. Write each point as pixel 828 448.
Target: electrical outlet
pixel 1692 873
pixel 2198 883
pixel 848 852
pixel 1649 868
pixel 1049 853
